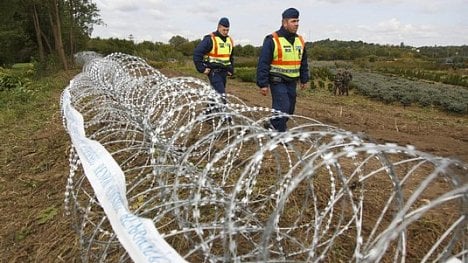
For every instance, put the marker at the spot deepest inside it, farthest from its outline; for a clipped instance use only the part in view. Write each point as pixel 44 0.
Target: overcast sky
pixel 413 22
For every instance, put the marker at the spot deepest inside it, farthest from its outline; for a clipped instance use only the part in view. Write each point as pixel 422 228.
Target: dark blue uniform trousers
pixel 218 80
pixel 283 99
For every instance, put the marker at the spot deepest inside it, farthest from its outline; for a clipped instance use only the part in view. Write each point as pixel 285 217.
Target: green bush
pixel 425 100
pixel 395 89
pixel 312 86
pixel 321 73
pixel 246 63
pixel 10 80
pixel 321 84
pixel 457 107
pixel 246 74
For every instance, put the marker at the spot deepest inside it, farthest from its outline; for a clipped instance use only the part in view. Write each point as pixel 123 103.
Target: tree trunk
pixel 47 42
pixel 54 17
pixel 37 28
pixel 72 30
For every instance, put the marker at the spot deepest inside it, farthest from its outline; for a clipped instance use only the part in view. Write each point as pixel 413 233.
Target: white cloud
pixel 415 22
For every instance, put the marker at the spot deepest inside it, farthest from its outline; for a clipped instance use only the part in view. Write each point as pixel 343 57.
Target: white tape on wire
pixel 137 235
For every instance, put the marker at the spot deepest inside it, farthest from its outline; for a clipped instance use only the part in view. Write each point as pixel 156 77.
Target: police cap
pixel 224 22
pixel 291 13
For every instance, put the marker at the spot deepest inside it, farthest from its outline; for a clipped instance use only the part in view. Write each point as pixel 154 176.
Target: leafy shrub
pixel 425 100
pixel 246 63
pixel 10 80
pixel 457 107
pixel 321 73
pixel 407 99
pixel 312 85
pixel 246 74
pixel 15 86
pixel 395 89
pixel 389 97
pixel 321 84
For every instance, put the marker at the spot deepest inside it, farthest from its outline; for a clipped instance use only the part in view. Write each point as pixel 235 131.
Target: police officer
pixel 282 63
pixel 213 56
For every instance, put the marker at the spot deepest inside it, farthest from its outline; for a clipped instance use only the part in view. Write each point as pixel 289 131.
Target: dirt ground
pixel 34 164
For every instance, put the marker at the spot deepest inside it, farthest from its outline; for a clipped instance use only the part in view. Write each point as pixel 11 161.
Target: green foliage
pixel 51 64
pixel 246 62
pixel 18 79
pixel 22 234
pixel 372 58
pixel 46 215
pixel 246 74
pixel 8 81
pixel 323 73
pixel 313 86
pixel 30 102
pixel 419 73
pixel 330 87
pixel 18 28
pixel 112 45
pixel 391 89
pixel 15 46
pixel 157 64
pixel 246 51
pixel 321 76
pixel 177 40
pixel 321 84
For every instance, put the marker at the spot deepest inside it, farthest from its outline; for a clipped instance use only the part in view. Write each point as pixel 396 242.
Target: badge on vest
pixel 287 49
pixel 299 51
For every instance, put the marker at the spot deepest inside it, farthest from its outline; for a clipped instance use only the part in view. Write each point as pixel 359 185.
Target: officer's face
pixel 224 31
pixel 291 24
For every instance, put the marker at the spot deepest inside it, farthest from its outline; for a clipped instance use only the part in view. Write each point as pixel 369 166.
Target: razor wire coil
pixel 219 187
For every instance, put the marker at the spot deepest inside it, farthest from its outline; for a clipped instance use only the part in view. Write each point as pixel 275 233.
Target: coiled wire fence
pixel 219 187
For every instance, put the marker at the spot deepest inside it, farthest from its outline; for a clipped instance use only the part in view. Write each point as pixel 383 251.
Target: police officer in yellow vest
pixel 213 56
pixel 283 63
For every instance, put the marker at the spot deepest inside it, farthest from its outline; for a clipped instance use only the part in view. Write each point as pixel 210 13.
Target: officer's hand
pixel 207 71
pixel 264 91
pixel 229 73
pixel 304 85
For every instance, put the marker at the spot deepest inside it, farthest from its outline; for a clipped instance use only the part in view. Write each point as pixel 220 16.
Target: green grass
pixel 23 66
pixel 30 104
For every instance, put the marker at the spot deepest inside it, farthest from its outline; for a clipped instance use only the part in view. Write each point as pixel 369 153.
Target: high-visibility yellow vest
pixel 286 57
pixel 221 51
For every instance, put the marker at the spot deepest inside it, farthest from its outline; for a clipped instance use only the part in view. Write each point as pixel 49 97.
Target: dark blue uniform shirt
pixel 266 57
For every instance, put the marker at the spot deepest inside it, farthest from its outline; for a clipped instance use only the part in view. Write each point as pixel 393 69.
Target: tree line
pixel 45 30
pixel 323 50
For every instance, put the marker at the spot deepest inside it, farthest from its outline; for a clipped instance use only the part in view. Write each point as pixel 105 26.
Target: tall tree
pixel 39 28
pixel 176 41
pixel 14 38
pixel 56 26
pixel 38 31
pixel 81 15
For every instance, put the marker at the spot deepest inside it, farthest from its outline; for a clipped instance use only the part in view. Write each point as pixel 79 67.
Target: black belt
pixel 277 79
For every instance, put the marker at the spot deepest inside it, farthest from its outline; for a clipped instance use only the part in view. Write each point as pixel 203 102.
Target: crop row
pixel 390 89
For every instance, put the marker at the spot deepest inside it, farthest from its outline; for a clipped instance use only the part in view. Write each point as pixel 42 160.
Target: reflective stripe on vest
pixel 221 51
pixel 286 57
